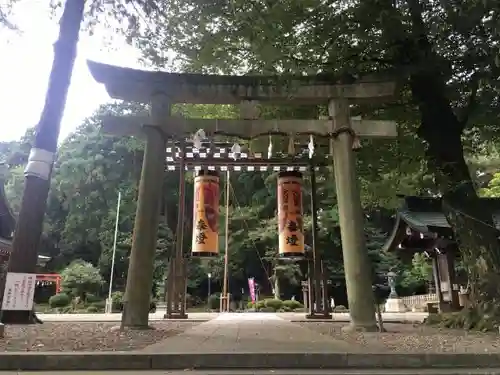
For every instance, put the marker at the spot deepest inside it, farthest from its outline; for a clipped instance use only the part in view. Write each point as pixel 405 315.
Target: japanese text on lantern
pixel 291 237
pixel 206 214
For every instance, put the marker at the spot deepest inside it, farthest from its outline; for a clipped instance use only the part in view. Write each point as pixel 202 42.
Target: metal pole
pixel 114 252
pixel 209 282
pixel 225 303
pixel 316 257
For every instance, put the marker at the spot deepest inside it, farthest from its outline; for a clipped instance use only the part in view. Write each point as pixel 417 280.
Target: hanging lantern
pixel 206 214
pixel 290 222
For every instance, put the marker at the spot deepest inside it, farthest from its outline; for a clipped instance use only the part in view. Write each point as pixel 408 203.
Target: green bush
pixel 469 319
pixel 100 305
pixel 267 309
pixel 91 298
pixel 260 304
pixel 66 310
pixel 214 301
pixel 273 304
pixel 117 301
pixel 59 300
pixel 92 309
pixel 250 305
pixel 292 305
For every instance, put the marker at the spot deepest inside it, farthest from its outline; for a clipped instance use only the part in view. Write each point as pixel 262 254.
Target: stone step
pixel 465 371
pixel 359 363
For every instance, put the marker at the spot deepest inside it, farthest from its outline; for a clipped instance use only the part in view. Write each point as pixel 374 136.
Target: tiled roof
pixel 421 213
pixel 425 215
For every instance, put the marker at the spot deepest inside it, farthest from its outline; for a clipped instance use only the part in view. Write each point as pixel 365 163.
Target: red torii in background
pixel 51 278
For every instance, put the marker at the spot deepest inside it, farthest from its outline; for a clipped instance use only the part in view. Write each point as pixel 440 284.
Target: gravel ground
pixel 412 339
pixel 57 337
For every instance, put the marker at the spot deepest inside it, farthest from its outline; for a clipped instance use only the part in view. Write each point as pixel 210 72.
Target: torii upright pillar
pixel 356 262
pixel 140 270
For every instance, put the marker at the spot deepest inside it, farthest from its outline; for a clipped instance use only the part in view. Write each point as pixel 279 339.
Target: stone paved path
pixel 249 333
pixel 116 317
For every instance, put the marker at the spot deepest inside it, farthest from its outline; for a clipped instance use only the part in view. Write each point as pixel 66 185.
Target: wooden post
pixel 140 270
pixel 437 280
pixel 178 261
pixel 310 287
pixel 169 288
pixel 324 292
pixel 450 262
pixel 356 262
pixel 176 258
pixel 315 252
pixel 225 287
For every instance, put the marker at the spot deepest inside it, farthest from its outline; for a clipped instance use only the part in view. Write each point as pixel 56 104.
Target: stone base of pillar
pixel 395 305
pixel 175 316
pixel 359 327
pixel 319 315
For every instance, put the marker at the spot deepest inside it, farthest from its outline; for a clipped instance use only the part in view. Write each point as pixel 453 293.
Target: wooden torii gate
pixel 161 90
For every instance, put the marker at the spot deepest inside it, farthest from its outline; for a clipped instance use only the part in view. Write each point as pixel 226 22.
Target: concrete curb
pixel 78 361
pixel 117 322
pixel 395 321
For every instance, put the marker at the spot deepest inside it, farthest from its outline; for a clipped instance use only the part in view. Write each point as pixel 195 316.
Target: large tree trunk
pixel 471 219
pixel 30 221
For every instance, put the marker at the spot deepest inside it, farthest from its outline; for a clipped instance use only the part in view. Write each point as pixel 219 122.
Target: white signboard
pixel 19 291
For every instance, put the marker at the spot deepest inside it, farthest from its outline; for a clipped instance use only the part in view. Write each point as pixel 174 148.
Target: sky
pixel 25 63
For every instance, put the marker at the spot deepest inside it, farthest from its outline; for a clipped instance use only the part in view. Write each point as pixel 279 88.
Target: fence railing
pixel 419 300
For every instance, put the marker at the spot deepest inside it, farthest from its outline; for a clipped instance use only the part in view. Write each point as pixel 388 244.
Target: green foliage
pixel 493 188
pixel 274 304
pixel 79 278
pixel 214 301
pixel 99 305
pixel 92 309
pixel 483 317
pixel 92 298
pixel 292 304
pixel 59 300
pixel 117 301
pixel 267 309
pixel 420 272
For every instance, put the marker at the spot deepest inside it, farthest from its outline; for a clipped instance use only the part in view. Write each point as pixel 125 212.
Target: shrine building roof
pixel 424 216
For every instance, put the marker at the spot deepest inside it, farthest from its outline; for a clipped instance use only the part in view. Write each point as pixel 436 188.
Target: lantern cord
pixel 253 242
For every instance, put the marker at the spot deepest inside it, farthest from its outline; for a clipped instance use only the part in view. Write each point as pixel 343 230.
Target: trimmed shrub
pixel 214 301
pixel 100 305
pixel 292 305
pixel 59 300
pixel 117 301
pixel 92 309
pixel 91 298
pixel 273 304
pixel 267 309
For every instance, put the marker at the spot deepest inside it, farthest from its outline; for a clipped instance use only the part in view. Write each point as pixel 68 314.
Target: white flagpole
pixel 109 304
